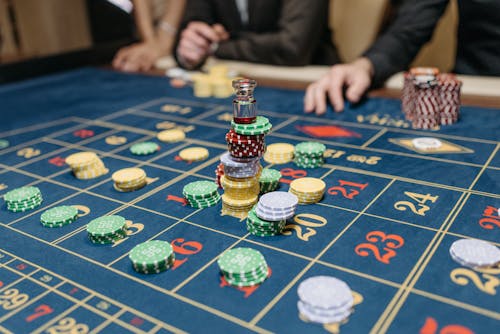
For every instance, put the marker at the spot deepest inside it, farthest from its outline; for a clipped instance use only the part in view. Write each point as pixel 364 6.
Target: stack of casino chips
pixel 429 98
pixel 276 206
pixel 241 166
pixel 263 228
pixel 129 179
pixel 309 154
pixel 243 267
pixel 324 300
pixel 86 165
pixel 309 190
pixel 449 88
pixel 269 180
pixel 107 229
pixel 279 153
pixel 152 257
pixel 245 146
pixel 23 199
pixel 219 171
pixel 201 194
pixel 59 216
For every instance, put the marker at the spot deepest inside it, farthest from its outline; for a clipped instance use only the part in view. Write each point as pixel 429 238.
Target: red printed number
pixel 431 327
pixel 40 311
pixel 346 189
pixel 184 248
pixel 293 173
pixel 490 219
pixel 389 243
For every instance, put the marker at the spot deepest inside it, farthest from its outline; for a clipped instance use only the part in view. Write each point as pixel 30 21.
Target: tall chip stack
pixel 449 89
pixel 430 98
pixel 241 170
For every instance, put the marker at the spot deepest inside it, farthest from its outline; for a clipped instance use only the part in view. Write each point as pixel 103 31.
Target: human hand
pixel 356 76
pixel 138 57
pixel 196 41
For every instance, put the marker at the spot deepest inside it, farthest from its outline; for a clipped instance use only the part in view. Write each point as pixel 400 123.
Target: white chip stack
pixel 324 300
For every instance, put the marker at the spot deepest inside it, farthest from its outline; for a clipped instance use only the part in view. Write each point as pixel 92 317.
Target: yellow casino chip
pixel 194 154
pixel 81 158
pixel 171 136
pixel 128 175
pixel 308 185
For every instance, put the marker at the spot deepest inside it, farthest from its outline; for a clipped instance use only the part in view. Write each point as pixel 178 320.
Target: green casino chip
pixel 200 190
pixel 151 253
pixel 22 194
pixel 144 148
pixel 59 215
pixel 106 226
pixel 240 260
pixel 310 148
pixel 4 143
pixel 261 122
pixel 270 175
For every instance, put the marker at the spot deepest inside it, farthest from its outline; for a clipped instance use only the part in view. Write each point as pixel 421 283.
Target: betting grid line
pixel 261 244
pixel 304 117
pixel 30 301
pixel 187 300
pixel 286 136
pixel 456 303
pixel 40 139
pixel 125 204
pixel 78 190
pixel 59 150
pixel 60 316
pixel 109 264
pixel 441 234
pixel 201 269
pixel 410 180
pixel 91 293
pixel 395 304
pixel 374 138
pixel 107 322
pixel 278 297
pixel 35 127
pixel 170 117
pixel 144 208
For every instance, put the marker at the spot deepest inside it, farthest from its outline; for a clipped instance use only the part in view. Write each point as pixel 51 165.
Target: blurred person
pixel 277 32
pixel 478 50
pixel 157 33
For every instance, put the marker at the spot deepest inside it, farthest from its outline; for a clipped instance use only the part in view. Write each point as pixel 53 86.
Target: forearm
pixel 397 47
pixel 144 20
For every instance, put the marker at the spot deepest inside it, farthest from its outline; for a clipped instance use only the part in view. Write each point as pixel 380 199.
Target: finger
pixel 204 30
pixel 357 88
pixel 190 55
pixel 220 31
pixel 337 78
pixel 120 58
pixel 319 96
pixel 195 38
pixel 309 98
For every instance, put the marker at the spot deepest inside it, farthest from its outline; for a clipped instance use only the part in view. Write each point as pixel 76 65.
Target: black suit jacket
pixel 478 49
pixel 279 32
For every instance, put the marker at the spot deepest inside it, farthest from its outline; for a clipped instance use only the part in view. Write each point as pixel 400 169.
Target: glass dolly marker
pixel 244 105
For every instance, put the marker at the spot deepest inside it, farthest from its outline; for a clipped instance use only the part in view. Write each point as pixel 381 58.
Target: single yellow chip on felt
pixel 171 136
pixel 194 154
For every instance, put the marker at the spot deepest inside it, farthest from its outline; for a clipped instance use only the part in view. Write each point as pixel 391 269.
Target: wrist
pixel 365 64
